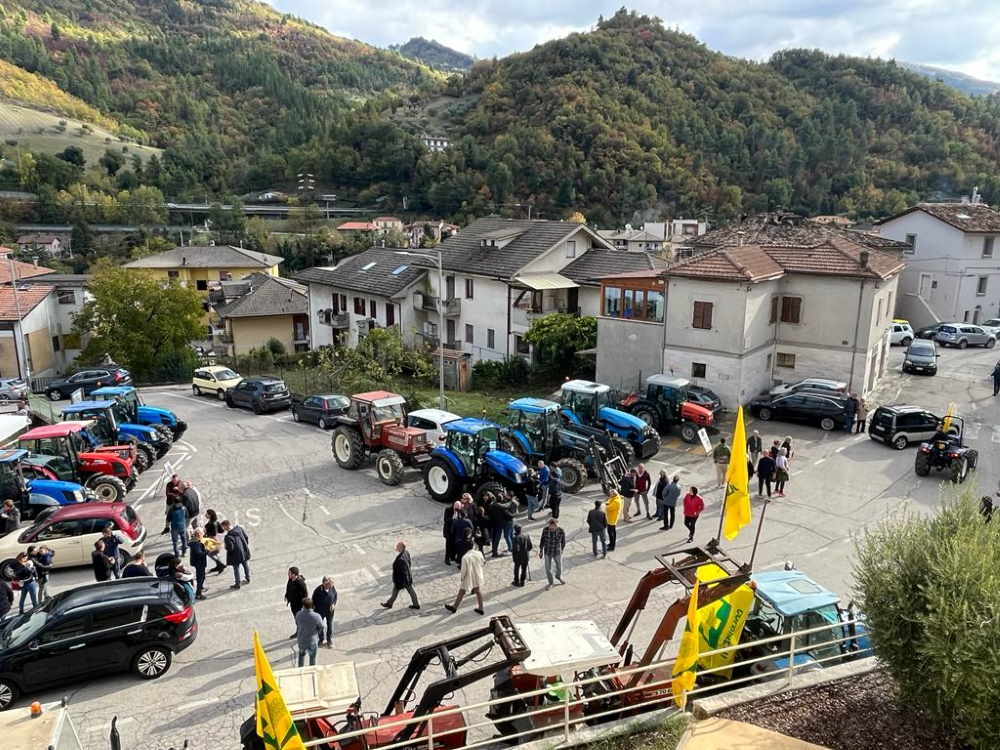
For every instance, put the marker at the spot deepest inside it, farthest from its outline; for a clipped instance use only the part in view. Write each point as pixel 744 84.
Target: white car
pixel 992 326
pixel 902 334
pixel 812 384
pixel 432 420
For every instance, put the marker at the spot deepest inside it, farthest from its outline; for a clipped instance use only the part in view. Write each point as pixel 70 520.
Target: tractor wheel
pixel 107 488
pixel 625 448
pixel 389 467
pixel 973 458
pixel 144 449
pixel 441 481
pixel 141 462
pixel 689 433
pixel 922 464
pixel 574 474
pixel 647 415
pixel 959 468
pixel 494 488
pixel 164 432
pixel 764 414
pixel 348 448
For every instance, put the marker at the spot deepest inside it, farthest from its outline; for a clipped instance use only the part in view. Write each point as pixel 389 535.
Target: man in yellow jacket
pixel 613 509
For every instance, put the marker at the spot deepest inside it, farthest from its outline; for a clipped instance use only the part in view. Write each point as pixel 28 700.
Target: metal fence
pixel 593 698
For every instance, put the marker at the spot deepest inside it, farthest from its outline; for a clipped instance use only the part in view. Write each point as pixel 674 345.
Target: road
pixel 279 481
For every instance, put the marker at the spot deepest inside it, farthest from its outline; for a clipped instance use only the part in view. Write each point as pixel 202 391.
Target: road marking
pixel 322 508
pixel 995 437
pixel 168 467
pixel 360 550
pixel 840 449
pixel 196 704
pixel 340 528
pixel 818 461
pixel 106 726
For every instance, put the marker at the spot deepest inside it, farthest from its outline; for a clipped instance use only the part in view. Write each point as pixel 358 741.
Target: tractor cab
pixel 586 399
pixel 471 460
pixel 670 401
pixel 534 423
pixel 378 415
pixel 471 442
pixel 109 429
pixel 132 409
pixel 35 495
pixel 64 452
pixel 947 451
pixel 585 403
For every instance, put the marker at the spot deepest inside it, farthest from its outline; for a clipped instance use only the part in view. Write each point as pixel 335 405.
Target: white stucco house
pixel 952 262
pixel 740 319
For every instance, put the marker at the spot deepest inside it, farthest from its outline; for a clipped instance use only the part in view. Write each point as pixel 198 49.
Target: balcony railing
pixel 225 338
pixel 428 302
pixel 533 313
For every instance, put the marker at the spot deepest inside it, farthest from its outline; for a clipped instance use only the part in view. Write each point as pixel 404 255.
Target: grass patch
pixel 475 403
pixel 665 736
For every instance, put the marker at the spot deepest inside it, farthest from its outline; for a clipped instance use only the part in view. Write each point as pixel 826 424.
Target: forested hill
pixel 435 54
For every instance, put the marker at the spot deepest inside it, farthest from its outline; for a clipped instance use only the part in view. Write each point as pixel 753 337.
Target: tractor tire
pixel 494 488
pixel 108 489
pixel 689 433
pixel 440 480
pixel 348 448
pixel 647 415
pixel 764 414
pixel 141 462
pixel 625 448
pixel 973 458
pixel 922 464
pixel 145 449
pixel 959 469
pixel 574 474
pixel 389 467
pixel 164 432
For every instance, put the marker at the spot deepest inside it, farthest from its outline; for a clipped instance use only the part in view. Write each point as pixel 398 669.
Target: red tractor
pixel 375 425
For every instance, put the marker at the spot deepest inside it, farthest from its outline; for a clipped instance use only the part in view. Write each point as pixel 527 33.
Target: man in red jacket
pixel 642 484
pixel 694 504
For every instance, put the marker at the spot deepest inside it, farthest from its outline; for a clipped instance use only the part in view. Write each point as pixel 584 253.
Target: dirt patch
pixel 857 713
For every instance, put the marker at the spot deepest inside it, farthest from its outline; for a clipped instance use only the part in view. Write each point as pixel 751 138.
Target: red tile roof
pixel 357 226
pixel 27 300
pixel 21 270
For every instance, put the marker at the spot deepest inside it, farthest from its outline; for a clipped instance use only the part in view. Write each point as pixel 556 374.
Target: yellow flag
pixel 274 723
pixel 946 422
pixel 686 664
pixel 736 511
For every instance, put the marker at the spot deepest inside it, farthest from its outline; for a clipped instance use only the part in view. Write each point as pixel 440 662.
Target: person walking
pixel 765 473
pixel 10 517
pixel 446 531
pixel 521 555
pixel 136 567
pixel 501 519
pixel 42 558
pixel 402 577
pixel 670 497
pixel 192 502
pixel 237 545
pixel 597 524
pixel 23 571
pixel 324 600
pixel 661 485
pixel 781 474
pixel 113 541
pixel 480 525
pixel 174 490
pixel 694 504
pixel 720 455
pixel 198 556
pixel 612 512
pixel 862 415
pixel 555 491
pixel 531 493
pixel 295 592
pixel 626 488
pixel 754 446
pixel 787 445
pixel 996 379
pixel 550 549
pixel 544 475
pixel 308 632
pixel 473 580
pixel 643 482
pixel 100 562
pixel 850 411
pixel 177 519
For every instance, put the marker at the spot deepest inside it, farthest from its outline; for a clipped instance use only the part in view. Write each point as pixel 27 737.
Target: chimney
pixel 864 259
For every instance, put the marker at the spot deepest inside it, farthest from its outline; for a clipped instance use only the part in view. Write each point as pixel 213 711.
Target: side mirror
pixel 33 646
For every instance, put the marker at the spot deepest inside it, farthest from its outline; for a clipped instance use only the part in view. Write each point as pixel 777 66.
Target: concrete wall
pixel 407 317
pixel 254 332
pixel 486 310
pixel 41 352
pixel 628 351
pixel 728 299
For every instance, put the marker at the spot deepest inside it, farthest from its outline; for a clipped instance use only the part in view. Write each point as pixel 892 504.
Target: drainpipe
pixel 508 320
pixel 663 348
pixel 857 328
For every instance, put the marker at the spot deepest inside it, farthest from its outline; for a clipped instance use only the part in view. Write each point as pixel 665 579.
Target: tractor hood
pixel 58 490
pixel 507 465
pixel 143 433
pixel 150 414
pixel 621 419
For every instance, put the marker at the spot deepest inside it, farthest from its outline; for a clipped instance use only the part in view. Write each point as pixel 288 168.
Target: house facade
pixel 388 224
pixel 71 294
pixel 40 243
pixel 27 345
pixel 740 319
pixel 257 309
pixel 633 240
pixel 952 253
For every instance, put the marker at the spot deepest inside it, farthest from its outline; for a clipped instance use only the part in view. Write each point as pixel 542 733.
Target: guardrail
pixel 606 695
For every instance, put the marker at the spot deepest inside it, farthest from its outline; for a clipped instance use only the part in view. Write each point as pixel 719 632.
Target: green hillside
pixel 433 53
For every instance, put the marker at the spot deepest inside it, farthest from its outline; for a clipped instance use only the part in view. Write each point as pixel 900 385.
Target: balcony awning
pixel 545 280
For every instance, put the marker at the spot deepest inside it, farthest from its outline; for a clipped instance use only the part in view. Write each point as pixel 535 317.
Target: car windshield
pixel 19 630
pixel 274 388
pixel 337 402
pixel 921 347
pixel 226 375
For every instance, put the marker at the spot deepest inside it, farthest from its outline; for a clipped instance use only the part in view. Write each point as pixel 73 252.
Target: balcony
pixel 224 337
pixel 428 302
pixel 335 320
pixel 432 342
pixel 533 313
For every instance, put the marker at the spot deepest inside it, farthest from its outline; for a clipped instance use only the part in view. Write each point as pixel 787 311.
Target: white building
pixel 740 319
pixel 952 262
pixel 633 240
pixel 435 142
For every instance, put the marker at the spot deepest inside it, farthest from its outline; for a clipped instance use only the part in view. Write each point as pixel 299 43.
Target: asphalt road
pixel 279 481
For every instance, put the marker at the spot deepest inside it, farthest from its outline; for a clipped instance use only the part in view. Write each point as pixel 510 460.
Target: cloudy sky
pixel 960 35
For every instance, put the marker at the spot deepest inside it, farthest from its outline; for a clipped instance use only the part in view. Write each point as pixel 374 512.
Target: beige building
pixel 267 307
pixel 27 345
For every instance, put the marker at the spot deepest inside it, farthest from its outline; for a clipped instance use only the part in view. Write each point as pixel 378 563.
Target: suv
pixel 899 425
pixel 215 379
pixel 88 380
pixel 132 624
pixel 922 356
pixel 260 394
pixel 901 334
pixel 963 335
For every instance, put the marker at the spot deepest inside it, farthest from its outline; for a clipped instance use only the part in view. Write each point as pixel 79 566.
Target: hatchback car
pixel 829 411
pixel 900 425
pixel 214 380
pixel 132 624
pixel 963 335
pixel 260 394
pixel 928 332
pixel 319 410
pixel 71 530
pixel 901 334
pixel 812 384
pixel 88 381
pixel 13 389
pixel 432 420
pixel 922 357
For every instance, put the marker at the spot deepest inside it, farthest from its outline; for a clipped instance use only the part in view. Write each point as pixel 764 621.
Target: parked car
pixel 963 335
pixel 71 530
pixel 929 332
pixel 321 410
pixel 811 384
pixel 922 356
pixel 13 389
pixel 432 420
pixel 992 325
pixel 828 410
pixel 260 394
pixel 215 379
pixel 88 381
pixel 703 396
pixel 901 334
pixel 132 624
pixel 900 425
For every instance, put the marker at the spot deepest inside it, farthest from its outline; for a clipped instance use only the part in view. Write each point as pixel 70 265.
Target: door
pixel 787 407
pixel 66 538
pixel 449 286
pixel 572 300
pixel 927 426
pixel 114 631
pixel 58 652
pixel 310 409
pixel 451 330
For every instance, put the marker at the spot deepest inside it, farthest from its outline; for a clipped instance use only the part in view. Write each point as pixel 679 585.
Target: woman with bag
pixel 781 472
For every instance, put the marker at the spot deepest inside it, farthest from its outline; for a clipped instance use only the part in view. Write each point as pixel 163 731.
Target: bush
pixel 930 588
pixel 498 373
pixel 276 348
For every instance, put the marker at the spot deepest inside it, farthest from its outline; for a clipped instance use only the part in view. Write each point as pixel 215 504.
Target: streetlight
pixel 441 326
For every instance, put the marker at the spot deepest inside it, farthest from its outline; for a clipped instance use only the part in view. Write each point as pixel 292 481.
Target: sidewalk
pixel 713 733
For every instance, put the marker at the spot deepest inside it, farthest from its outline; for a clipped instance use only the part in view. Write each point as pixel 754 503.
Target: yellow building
pixel 268 308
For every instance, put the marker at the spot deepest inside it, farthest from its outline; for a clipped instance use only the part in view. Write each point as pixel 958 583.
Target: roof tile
pixel 378 279
pixel 207 256
pixel 25 300
pixel 969 217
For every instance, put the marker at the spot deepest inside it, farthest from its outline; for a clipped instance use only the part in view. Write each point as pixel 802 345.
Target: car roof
pixel 469 425
pixel 214 368
pixel 263 379
pixel 440 416
pixel 792 592
pixel 902 408
pixel 533 405
pixel 85 405
pixel 585 385
pixel 327 395
pixel 667 380
pixel 88 510
pixel 815 381
pixel 144 589
pixel 9 456
pixel 60 429
pixel 112 390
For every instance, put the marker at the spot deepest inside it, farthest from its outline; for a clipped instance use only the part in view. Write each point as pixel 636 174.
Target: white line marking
pixel 196 704
pixel 818 462
pixel 340 528
pixel 324 510
pixel 840 449
pixel 359 549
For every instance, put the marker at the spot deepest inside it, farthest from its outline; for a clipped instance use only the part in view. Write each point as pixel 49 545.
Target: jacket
pixel 671 494
pixel 237 546
pixel 596 521
pixel 309 628
pixel 661 485
pixel 198 554
pixel 324 601
pixel 627 486
pixel 458 528
pixel 552 542
pixel 401 574
pixel 101 565
pixel 522 547
pixel 500 514
pixel 765 467
pixel 135 570
pixel 192 501
pixel 178 517
pixel 643 482
pixel 613 509
pixel 449 517
pixel 693 505
pixel 721 453
pixel 11 520
pixel 295 592
pixel 754 443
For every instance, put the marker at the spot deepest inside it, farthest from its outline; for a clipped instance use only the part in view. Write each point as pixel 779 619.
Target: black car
pixel 260 394
pixel 132 624
pixel 900 425
pixel 88 380
pixel 921 356
pixel 827 410
pixel 322 410
pixel 703 397
pixel 928 332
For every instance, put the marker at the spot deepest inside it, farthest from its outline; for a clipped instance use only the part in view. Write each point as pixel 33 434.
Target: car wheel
pixel 152 662
pixel 991 343
pixel 4 398
pixel 196 390
pixel 900 442
pixel 907 341
pixel 827 423
pixel 220 394
pixel 963 344
pixel 8 693
pixel 322 423
pixel 295 416
pixel 764 414
pixel 229 402
pixel 258 408
pixel 54 395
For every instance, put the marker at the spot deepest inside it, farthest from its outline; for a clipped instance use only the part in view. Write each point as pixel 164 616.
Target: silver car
pixel 13 389
pixel 963 335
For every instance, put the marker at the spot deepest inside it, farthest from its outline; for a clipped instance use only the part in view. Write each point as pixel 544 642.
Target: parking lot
pixel 278 479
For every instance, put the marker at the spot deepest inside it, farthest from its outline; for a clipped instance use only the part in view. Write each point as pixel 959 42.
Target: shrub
pixel 930 589
pixel 498 373
pixel 275 347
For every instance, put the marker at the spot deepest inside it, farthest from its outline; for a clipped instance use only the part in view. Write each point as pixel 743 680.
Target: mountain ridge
pixel 956 79
pixel 436 55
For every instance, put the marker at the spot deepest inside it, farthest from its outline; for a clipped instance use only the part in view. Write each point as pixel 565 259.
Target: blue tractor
pixel 535 431
pixel 151 444
pixel 591 404
pixel 129 407
pixel 33 496
pixel 470 461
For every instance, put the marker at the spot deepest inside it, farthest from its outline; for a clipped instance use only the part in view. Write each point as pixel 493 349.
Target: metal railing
pixel 587 700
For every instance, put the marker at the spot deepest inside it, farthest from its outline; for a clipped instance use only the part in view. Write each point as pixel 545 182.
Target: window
pixel 490 338
pixel 359 306
pixel 988 247
pixel 373 309
pixel 770 360
pixel 469 288
pixel 911 240
pixel 468 334
pixel 628 304
pixel 654 305
pixel 336 303
pixel 702 315
pixel 613 301
pixel 390 314
pixel 449 286
pixel 981 285
pixel 55 343
pixel 890 311
pixel 343 303
pixel 791 310
pixel 570 248
pixel 116 617
pixel 698 369
pixel 66 297
pixel 786 360
pixel 201 285
pixel 173 274
pixel 71 627
pixel 774 310
pixel 521 345
pixel 965 317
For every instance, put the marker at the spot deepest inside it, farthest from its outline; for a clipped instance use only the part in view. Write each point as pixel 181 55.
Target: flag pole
pixel 760 525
